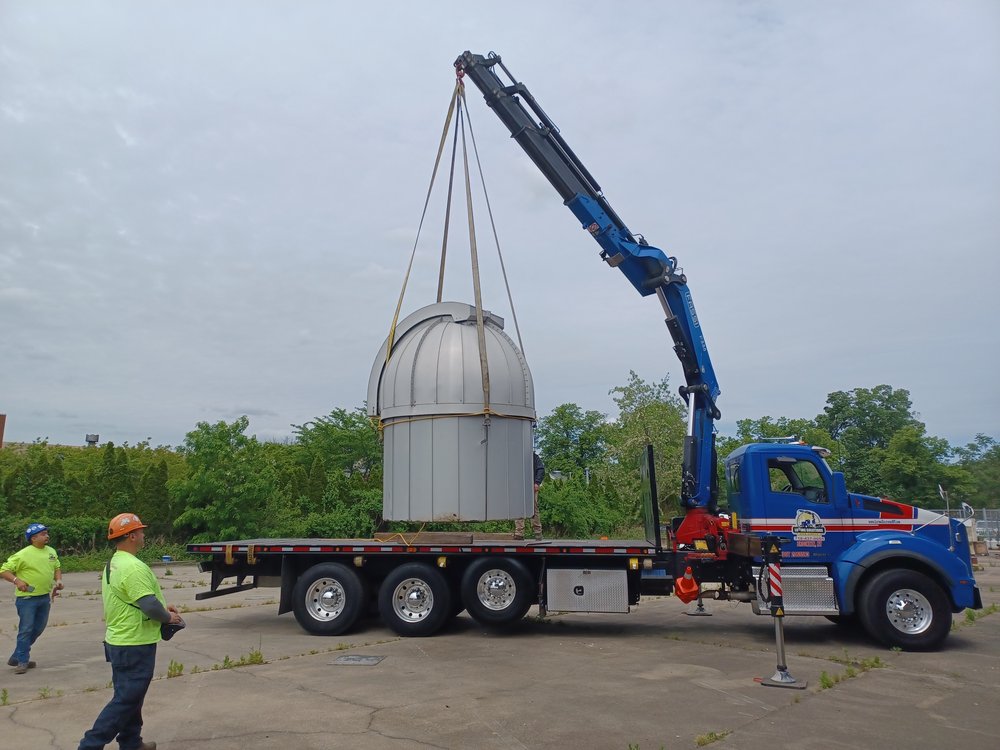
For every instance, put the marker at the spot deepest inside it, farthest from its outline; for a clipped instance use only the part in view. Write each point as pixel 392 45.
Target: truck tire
pixel 329 599
pixel 497 591
pixel 905 609
pixel 415 600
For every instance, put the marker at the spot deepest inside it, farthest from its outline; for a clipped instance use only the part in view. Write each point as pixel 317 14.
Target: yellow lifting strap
pixel 476 287
pixel 493 226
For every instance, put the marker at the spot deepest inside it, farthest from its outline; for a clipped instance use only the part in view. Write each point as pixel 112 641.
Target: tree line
pixel 326 481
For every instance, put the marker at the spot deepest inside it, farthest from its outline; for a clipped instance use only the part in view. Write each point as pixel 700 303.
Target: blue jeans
pixel 33 612
pixel 131 672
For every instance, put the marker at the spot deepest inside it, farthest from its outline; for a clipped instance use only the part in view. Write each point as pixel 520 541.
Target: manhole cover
pixel 364 661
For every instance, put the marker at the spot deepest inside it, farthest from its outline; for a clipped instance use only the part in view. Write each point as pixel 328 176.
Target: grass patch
pixel 255 656
pixel 864 665
pixel 707 739
pixel 972 615
pixel 174 669
pixel 853 668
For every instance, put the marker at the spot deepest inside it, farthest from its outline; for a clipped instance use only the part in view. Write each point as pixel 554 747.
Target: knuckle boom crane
pixel 648 269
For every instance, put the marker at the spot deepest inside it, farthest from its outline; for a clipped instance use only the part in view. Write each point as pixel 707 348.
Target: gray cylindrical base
pixel 456 468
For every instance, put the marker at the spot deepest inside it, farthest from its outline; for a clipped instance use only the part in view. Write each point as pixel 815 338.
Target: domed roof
pixel 435 367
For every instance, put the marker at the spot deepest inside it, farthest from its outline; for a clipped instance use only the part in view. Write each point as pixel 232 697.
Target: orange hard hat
pixel 124 523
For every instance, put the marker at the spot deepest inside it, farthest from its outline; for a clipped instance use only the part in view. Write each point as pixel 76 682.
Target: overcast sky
pixel 206 208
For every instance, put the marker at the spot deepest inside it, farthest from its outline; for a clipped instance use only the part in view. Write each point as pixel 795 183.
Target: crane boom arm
pixel 648 269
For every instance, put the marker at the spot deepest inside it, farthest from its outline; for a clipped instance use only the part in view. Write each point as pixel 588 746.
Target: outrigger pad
pixel 782 680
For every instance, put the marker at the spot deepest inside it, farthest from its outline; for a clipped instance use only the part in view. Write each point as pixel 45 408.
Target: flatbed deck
pixel 428 543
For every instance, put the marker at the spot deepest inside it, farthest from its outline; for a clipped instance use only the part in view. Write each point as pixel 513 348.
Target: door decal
pixel 808 529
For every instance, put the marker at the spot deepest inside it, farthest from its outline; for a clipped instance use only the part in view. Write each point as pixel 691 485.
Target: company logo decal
pixel 808 529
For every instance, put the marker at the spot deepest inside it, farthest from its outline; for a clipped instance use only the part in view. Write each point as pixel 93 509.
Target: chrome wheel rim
pixel 412 600
pixel 909 611
pixel 326 600
pixel 496 590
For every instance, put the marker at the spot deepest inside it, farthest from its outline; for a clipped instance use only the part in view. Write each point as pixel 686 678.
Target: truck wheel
pixel 415 600
pixel 497 591
pixel 328 599
pixel 905 609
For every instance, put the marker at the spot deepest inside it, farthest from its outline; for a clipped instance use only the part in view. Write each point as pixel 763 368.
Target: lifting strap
pixel 423 215
pixel 477 291
pixel 447 209
pixel 493 226
pixel 459 105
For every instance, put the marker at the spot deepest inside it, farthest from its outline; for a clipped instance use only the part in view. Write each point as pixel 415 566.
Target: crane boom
pixel 649 269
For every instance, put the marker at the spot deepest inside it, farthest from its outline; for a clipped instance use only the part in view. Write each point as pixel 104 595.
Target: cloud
pixel 17 295
pixel 189 220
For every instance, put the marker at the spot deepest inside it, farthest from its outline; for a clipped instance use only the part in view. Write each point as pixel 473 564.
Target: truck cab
pixel 899 570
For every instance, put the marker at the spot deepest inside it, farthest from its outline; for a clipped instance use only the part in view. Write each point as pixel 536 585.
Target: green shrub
pixel 70 535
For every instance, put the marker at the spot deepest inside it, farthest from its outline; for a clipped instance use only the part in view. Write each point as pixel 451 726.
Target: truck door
pixel 800 505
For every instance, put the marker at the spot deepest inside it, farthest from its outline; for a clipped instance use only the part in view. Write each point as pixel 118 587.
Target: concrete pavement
pixel 655 678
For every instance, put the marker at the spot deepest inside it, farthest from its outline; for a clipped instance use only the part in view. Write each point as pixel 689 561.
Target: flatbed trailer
pixel 420 581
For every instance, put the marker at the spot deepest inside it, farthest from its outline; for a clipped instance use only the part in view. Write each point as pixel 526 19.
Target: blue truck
pixel 898 571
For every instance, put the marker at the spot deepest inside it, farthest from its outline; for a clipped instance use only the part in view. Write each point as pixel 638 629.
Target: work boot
pixel 12 662
pixel 147 746
pixel 20 669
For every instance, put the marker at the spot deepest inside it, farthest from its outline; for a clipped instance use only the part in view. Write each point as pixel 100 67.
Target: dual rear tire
pixel 497 591
pixel 415 599
pixel 329 599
